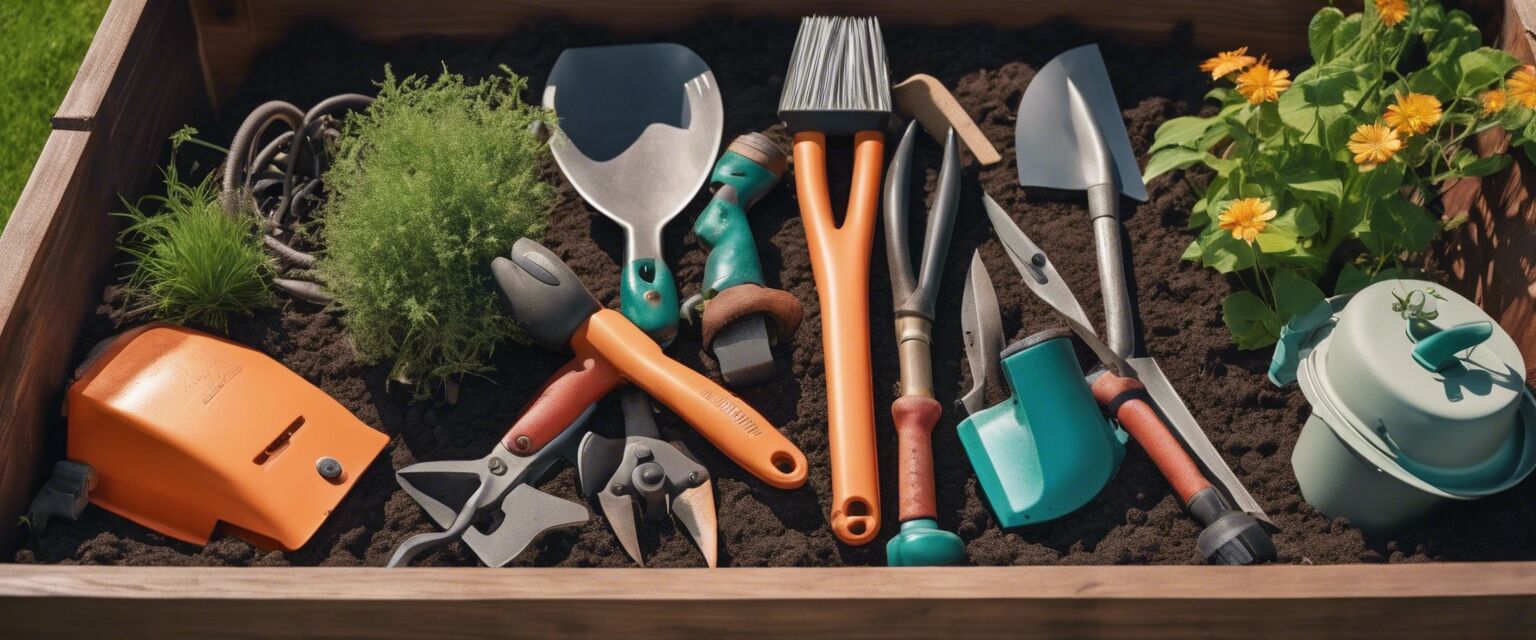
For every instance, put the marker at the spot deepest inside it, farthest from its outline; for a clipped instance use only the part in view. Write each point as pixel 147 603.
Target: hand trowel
pixel 1070 135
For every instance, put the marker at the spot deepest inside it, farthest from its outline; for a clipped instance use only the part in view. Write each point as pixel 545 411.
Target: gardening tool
pixel 644 473
pixel 837 84
pixel 742 318
pixel 1069 111
pixel 1046 450
pixel 1418 400
pixel 1230 536
pixel 924 99
pixel 921 542
pixel 639 129
pixel 187 433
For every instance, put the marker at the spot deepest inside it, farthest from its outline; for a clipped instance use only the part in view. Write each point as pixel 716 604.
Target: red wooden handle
pixel 581 382
pixel 1127 398
pixel 915 417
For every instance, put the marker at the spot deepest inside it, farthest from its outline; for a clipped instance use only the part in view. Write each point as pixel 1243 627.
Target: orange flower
pixel 1413 113
pixel 1522 86
pixel 1227 62
pixel 1245 218
pixel 1392 11
pixel 1374 144
pixel 1260 84
pixel 1493 101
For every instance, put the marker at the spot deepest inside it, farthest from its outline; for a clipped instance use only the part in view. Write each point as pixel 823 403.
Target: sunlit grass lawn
pixel 41 44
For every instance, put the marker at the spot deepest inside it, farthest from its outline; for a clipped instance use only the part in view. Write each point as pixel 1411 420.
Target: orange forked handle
pixel 738 430
pixel 581 382
pixel 1127 398
pixel 840 261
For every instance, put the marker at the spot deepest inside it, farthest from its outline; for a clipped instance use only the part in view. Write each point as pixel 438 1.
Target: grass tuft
pixel 429 184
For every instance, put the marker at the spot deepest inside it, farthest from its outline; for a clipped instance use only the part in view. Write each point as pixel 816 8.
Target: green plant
pixel 1332 177
pixel 192 262
pixel 429 184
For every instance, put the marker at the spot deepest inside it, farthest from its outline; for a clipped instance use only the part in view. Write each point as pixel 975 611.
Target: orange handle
pixel 1126 397
pixel 581 382
pixel 915 417
pixel 738 430
pixel 840 262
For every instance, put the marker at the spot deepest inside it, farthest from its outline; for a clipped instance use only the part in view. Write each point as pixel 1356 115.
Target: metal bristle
pixel 838 81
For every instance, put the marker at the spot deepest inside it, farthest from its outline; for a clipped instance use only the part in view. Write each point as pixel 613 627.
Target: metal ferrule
pixel 914 335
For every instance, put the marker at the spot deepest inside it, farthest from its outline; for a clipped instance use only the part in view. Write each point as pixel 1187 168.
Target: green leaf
pixel 1457 35
pixel 1272 240
pixel 1184 131
pixel 1170 159
pixel 1222 252
pixel 1315 183
pixel 1351 279
pixel 1417 224
pixel 1253 324
pixel 1321 34
pixel 1482 67
pixel 1193 251
pixel 1294 294
pixel 1379 182
pixel 1436 78
pixel 1479 167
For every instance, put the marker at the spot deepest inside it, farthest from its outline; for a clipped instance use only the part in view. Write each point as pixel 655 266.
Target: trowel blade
pixel 527 513
pixel 1055 149
pixel 1188 431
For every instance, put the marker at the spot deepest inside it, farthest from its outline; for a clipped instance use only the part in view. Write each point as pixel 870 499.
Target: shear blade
pixel 527 513
pixel 620 512
pixel 695 510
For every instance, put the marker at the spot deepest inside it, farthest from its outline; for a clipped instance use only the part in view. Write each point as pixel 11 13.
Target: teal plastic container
pixel 1047 450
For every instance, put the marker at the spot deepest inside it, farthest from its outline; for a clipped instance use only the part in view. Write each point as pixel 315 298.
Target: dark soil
pixel 1135 520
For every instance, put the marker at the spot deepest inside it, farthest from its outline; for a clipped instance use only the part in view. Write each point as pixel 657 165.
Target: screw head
pixel 328 467
pixel 616 488
pixel 643 453
pixel 1038 260
pixel 523 443
pixel 497 466
pixel 693 477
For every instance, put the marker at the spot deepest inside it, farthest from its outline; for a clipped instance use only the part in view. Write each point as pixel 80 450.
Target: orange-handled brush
pixel 837 84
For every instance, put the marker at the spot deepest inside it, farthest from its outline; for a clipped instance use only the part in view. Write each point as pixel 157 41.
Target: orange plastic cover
pixel 186 430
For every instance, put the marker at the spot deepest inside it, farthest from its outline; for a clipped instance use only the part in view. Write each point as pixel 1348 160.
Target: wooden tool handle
pixel 581 382
pixel 915 417
pixel 738 430
pixel 840 262
pixel 1126 399
pixel 925 99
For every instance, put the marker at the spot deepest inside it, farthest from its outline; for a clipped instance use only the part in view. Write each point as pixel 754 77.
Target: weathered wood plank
pixel 57 249
pixel 1465 600
pixel 234 32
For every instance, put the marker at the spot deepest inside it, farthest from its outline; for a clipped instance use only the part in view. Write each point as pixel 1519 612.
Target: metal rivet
pixel 329 468
pixel 693 477
pixel 643 453
pixel 616 488
pixel 523 443
pixel 653 296
pixel 497 467
pixel 1038 260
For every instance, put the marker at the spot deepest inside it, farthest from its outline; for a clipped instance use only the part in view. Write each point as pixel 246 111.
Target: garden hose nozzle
pixel 741 317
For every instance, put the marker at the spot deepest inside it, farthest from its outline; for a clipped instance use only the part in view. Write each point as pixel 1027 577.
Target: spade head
pixel 1070 134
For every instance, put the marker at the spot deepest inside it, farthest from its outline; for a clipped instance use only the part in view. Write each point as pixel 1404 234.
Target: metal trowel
pixel 1070 135
pixel 639 129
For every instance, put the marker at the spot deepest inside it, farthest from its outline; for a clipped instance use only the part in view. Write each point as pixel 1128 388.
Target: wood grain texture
pixel 1466 600
pixel 233 32
pixel 1492 258
pixel 57 249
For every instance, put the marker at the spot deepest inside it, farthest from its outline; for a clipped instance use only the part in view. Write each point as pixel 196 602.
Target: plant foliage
pixel 1351 155
pixel 429 184
pixel 193 263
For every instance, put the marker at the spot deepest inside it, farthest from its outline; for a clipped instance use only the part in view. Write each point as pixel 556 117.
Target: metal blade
pixel 695 510
pixel 1069 100
pixel 528 513
pixel 619 509
pixel 982 324
pixel 1188 431
pixel 596 460
pixel 1033 265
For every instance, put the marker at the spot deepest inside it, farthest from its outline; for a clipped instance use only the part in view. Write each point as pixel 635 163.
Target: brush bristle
pixel 838 82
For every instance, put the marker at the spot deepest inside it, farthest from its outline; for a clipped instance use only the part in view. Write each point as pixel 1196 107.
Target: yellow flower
pixel 1493 101
pixel 1228 61
pixel 1374 144
pixel 1413 113
pixel 1392 11
pixel 1260 84
pixel 1522 86
pixel 1245 218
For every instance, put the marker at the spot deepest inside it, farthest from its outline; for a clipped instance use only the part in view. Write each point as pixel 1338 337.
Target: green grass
pixel 41 45
pixel 193 263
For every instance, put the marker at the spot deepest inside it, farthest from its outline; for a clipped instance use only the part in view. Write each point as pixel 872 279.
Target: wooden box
pixel 157 63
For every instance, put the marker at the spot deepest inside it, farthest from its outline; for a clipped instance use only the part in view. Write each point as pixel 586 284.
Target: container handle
pixel 1438 352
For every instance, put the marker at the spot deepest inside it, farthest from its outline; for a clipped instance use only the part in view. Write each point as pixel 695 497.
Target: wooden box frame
pixel 142 78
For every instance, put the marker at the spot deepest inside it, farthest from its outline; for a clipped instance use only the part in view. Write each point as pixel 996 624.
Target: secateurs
pixel 915 412
pixel 551 305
